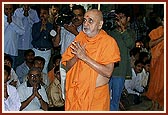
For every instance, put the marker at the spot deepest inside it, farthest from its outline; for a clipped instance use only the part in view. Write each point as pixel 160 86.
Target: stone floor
pixel 145 105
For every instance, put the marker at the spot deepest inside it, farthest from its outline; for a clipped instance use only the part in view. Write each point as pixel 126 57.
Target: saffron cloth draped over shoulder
pixel 81 90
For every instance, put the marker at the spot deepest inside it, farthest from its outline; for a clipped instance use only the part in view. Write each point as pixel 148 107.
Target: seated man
pixel 33 95
pixel 54 92
pixel 39 62
pixel 23 69
pixel 133 86
pixel 11 96
pixel 14 78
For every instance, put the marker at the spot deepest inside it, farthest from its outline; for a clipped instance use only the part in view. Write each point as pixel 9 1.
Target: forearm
pixel 103 70
pixel 153 43
pixel 26 102
pixel 56 40
pixel 44 105
pixel 71 62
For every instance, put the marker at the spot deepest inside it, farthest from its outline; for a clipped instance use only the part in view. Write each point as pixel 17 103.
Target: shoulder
pixel 22 86
pixel 12 87
pixel 32 10
pixel 18 10
pixel 106 37
pixel 20 66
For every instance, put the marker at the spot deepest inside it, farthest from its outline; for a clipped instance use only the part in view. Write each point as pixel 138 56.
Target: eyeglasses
pixel 34 76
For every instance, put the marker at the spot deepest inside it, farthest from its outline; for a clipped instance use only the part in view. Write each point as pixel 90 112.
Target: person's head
pixel 57 72
pixel 156 22
pixel 26 7
pixel 8 9
pixel 138 66
pixel 44 12
pixel 143 56
pixel 39 62
pixel 7 71
pixel 147 65
pixel 53 9
pixel 8 60
pixel 123 15
pixel 135 53
pixel 56 60
pixel 93 22
pixel 138 44
pixel 34 75
pixel 29 55
pixel 78 13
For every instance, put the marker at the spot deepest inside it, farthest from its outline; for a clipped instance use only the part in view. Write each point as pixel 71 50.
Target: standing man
pixel 53 13
pixel 28 17
pixel 65 36
pixel 42 41
pixel 89 62
pixel 125 40
pixel 12 29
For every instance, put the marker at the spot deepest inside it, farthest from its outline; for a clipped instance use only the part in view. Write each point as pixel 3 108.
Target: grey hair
pixel 34 69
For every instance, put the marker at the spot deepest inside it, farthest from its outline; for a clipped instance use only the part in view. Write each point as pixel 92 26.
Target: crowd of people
pixel 78 66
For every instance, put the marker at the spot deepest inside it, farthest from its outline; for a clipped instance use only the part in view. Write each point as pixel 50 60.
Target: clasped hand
pixel 35 91
pixel 78 50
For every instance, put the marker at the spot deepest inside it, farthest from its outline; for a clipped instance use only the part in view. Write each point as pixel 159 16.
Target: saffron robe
pixel 156 84
pixel 81 92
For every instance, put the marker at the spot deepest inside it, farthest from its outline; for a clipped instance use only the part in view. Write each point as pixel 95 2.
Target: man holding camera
pixel 66 34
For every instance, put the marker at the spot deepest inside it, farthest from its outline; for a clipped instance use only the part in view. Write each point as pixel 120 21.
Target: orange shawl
pixel 81 91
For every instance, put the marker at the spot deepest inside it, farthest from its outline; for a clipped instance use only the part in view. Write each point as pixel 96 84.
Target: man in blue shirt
pixel 42 40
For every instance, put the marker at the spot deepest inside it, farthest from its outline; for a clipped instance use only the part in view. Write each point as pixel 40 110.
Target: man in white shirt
pixel 14 80
pixel 33 95
pixel 27 17
pixel 145 74
pixel 12 29
pixel 133 86
pixel 11 96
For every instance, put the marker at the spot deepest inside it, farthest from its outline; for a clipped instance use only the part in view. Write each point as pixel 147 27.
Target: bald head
pixel 97 14
pixel 93 21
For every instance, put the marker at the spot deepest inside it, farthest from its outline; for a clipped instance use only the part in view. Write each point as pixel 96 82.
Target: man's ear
pixel 100 25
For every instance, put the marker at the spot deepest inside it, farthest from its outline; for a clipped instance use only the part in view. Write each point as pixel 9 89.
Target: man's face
pixel 57 62
pixel 8 63
pixel 39 64
pixel 54 11
pixel 8 9
pixel 147 67
pixel 29 57
pixel 77 20
pixel 122 18
pixel 34 77
pixel 44 14
pixel 6 76
pixel 138 68
pixel 91 24
pixel 26 7
pixel 138 45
